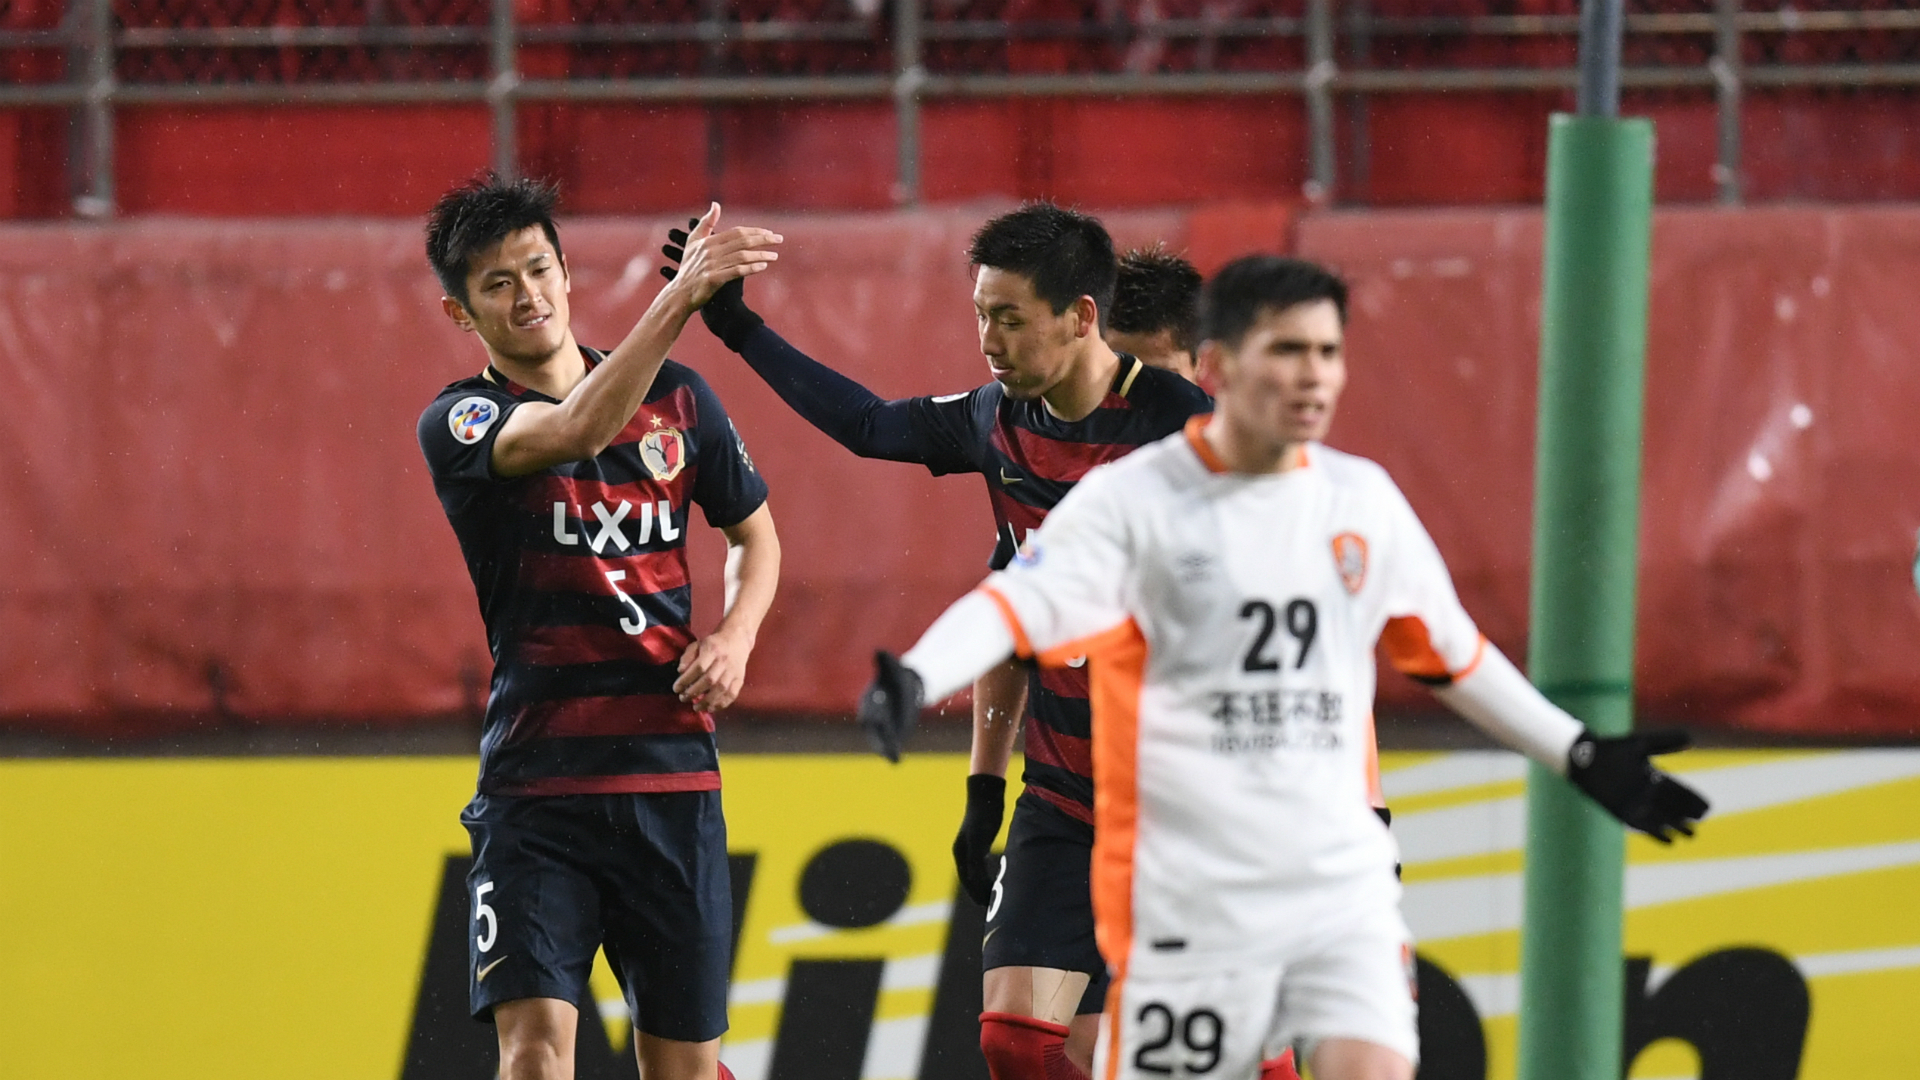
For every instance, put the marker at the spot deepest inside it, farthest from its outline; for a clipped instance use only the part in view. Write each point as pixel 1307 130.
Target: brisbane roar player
pixel 1060 402
pixel 1227 587
pixel 569 476
pixel 1156 317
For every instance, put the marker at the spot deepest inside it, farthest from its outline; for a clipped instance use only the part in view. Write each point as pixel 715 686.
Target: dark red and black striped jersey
pixel 581 571
pixel 1030 459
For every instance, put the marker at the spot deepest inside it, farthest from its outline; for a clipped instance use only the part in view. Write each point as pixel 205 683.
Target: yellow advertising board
pixel 293 918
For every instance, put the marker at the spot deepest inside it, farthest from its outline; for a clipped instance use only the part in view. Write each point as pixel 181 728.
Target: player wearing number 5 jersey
pixel 569 477
pixel 1229 585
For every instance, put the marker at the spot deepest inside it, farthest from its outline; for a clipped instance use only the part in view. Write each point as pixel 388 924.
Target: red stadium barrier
pixel 215 505
pixel 1782 490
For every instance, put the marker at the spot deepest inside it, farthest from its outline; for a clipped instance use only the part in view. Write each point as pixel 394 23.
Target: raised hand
pixel 710 258
pixel 726 312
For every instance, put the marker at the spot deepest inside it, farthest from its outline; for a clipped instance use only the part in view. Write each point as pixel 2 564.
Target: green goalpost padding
pixel 1585 526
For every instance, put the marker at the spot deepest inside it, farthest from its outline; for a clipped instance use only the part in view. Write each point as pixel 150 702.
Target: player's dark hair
pixel 479 214
pixel 1157 290
pixel 1064 253
pixel 1234 300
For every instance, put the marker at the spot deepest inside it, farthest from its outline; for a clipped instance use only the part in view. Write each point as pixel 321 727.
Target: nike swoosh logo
pixel 989 937
pixel 481 975
pixel 1005 479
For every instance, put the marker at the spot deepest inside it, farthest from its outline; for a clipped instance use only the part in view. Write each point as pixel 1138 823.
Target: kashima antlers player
pixel 1156 310
pixel 569 476
pixel 1226 587
pixel 1059 402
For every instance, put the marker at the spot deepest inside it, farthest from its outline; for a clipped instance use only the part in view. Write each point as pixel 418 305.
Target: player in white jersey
pixel 1228 586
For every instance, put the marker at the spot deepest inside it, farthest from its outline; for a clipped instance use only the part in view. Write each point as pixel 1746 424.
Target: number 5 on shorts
pixel 482 912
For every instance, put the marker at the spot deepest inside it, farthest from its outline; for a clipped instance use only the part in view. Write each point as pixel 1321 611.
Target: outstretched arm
pixel 1618 773
pixel 843 410
pixel 966 641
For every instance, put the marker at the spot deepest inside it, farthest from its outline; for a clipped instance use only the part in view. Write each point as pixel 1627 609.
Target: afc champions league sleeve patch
pixel 664 452
pixel 470 418
pixel 1350 558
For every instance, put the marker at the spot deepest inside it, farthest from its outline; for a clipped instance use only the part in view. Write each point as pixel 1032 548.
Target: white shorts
pixel 1222 1023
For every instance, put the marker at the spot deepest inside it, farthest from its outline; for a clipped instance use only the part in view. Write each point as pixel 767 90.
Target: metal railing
pixel 96 44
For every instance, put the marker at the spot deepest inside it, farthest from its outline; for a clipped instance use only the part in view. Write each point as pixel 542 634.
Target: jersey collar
pixel 495 376
pixel 1204 449
pixel 1129 370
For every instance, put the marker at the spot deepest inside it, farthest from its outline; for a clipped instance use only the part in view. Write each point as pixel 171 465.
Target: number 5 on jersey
pixel 637 622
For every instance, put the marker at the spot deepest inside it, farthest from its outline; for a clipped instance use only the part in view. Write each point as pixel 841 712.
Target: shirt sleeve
pixel 727 487
pixel 949 431
pixel 1429 635
pixel 458 430
pixel 909 429
pixel 1072 578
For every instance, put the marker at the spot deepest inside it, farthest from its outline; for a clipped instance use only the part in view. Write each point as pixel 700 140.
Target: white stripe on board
pixel 747 1059
pixel 894 1048
pixel 1450 772
pixel 757 991
pixel 1488 903
pixel 1499 994
pixel 1497 825
pixel 1859 962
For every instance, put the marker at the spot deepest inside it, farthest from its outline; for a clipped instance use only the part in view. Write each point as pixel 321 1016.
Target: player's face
pixel 517 297
pixel 1029 349
pixel 1285 377
pixel 1157 349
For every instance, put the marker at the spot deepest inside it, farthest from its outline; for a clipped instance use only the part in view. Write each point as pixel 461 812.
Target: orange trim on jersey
pixel 1410 649
pixel 1117 663
pixel 1479 653
pixel 1021 646
pixel 1376 798
pixel 1107 639
pixel 1200 445
pixel 1212 460
pixel 1114 1042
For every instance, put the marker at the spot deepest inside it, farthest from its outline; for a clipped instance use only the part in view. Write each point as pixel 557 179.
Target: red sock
pixel 1024 1048
pixel 1280 1068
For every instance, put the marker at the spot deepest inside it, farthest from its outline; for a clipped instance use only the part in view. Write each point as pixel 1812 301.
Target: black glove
pixel 890 705
pixel 726 313
pixel 973 848
pixel 1617 774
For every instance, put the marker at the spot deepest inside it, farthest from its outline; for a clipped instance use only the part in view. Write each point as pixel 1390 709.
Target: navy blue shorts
pixel 557 877
pixel 1041 913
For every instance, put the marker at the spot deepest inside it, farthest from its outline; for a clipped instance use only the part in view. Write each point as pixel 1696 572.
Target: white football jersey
pixel 1229 621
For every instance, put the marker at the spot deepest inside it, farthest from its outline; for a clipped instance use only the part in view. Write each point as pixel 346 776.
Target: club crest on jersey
pixel 664 452
pixel 1350 558
pixel 471 417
